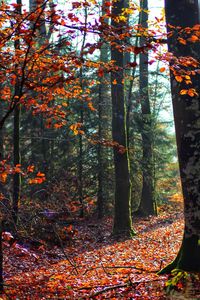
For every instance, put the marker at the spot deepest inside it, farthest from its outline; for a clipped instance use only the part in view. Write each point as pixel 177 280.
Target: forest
pixel 99 149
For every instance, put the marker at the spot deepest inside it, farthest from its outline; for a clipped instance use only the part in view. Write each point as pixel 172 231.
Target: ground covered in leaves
pixel 95 266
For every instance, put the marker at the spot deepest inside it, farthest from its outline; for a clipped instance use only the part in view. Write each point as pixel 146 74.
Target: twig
pixel 129 283
pixel 63 250
pixel 112 287
pixel 120 267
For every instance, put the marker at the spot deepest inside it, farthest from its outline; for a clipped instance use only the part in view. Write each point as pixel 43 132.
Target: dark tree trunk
pixel 16 138
pixel 17 161
pixel 146 206
pixel 1 257
pixel 80 167
pixel 185 13
pixel 1 132
pixel 122 218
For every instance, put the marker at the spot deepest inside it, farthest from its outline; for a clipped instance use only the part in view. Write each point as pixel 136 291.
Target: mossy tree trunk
pixel 185 13
pixel 122 218
pixel 146 206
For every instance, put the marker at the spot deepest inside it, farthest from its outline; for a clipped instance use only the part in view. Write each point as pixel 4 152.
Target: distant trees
pixel 185 87
pixel 64 81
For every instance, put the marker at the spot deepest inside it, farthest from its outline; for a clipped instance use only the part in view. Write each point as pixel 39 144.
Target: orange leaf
pixel 182 41
pixel 30 169
pixel 91 107
pixel 162 69
pixel 58 125
pixel 192 92
pixel 193 39
pixel 100 72
pixel 3 177
pixel 39 174
pixel 179 78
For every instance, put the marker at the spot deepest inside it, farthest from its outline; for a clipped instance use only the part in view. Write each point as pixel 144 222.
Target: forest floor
pixel 95 266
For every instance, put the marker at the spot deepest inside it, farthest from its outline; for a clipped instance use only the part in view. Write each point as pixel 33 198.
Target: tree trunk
pixel 185 13
pixel 103 114
pixel 17 161
pixel 1 258
pixel 146 206
pixel 122 218
pixel 1 132
pixel 16 139
pixel 80 166
pixel 100 195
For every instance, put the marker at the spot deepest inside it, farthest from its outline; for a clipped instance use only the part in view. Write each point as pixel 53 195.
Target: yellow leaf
pixel 183 92
pixel 187 77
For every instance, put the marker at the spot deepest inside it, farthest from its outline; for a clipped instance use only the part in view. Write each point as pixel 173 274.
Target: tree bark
pixel 1 257
pixel 122 218
pixel 17 161
pixel 16 137
pixel 146 206
pixel 1 132
pixel 185 13
pixel 103 127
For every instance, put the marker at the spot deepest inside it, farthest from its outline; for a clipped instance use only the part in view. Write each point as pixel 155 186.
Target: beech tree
pixel 183 42
pixel 103 126
pixel 122 217
pixel 146 206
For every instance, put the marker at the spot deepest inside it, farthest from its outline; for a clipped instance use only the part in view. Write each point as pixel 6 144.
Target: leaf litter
pixel 96 266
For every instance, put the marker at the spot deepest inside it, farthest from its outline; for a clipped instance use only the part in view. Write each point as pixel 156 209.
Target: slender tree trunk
pixel 80 166
pixel 17 161
pixel 146 206
pixel 122 218
pixel 1 258
pixel 16 141
pixel 103 114
pixel 1 132
pixel 80 161
pixel 185 13
pixel 100 195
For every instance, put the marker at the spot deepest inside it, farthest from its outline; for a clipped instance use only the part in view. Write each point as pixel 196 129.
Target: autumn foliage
pixel 50 69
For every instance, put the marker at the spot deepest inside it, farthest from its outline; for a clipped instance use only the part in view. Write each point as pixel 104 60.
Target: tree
pixel 103 126
pixel 122 217
pixel 16 130
pixel 183 25
pixel 146 206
